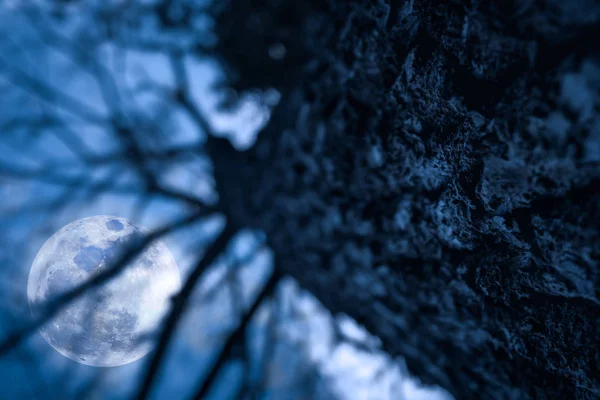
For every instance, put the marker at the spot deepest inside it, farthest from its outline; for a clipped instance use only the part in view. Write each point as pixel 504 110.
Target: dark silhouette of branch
pixel 184 97
pixel 57 177
pixel 35 373
pixel 53 96
pixel 232 272
pixel 168 154
pixel 245 386
pixel 268 351
pixel 235 336
pixel 178 307
pixel 79 55
pixel 51 122
pixel 241 349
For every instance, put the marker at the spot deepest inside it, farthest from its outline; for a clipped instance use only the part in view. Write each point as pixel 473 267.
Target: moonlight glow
pixel 108 326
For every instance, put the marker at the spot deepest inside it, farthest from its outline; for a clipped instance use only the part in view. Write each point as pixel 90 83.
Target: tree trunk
pixel 432 170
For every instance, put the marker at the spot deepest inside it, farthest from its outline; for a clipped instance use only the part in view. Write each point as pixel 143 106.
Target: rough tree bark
pixel 432 170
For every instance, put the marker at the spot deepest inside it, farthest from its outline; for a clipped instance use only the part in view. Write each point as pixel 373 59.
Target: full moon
pixel 109 325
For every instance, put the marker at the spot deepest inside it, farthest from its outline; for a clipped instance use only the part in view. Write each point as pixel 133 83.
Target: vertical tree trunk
pixel 433 170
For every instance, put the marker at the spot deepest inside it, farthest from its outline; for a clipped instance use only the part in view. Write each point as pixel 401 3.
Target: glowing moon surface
pixel 109 325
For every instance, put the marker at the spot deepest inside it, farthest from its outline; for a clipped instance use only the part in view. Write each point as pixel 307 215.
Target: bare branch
pixel 235 336
pixel 51 95
pixel 231 272
pixel 79 56
pixel 184 96
pixel 269 347
pixel 179 305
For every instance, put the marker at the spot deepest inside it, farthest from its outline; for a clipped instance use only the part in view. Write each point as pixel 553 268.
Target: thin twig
pixel 51 95
pixel 79 56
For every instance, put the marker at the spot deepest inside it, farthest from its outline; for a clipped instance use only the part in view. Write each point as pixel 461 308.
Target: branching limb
pixel 180 303
pixel 49 94
pixel 184 96
pixel 236 336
